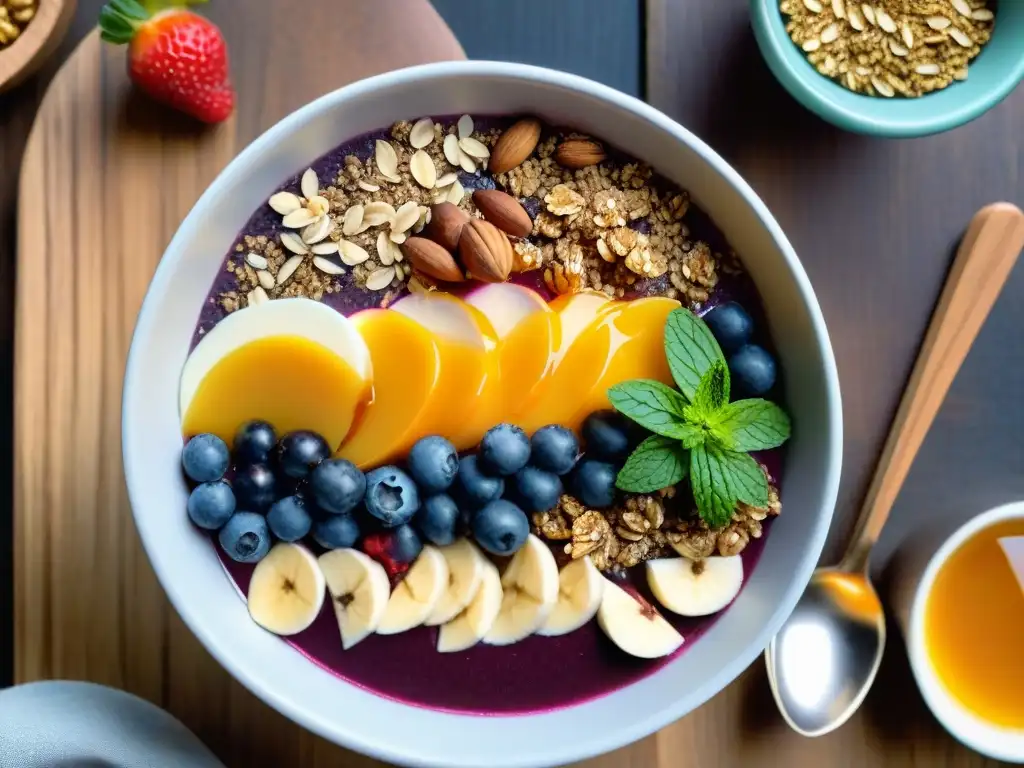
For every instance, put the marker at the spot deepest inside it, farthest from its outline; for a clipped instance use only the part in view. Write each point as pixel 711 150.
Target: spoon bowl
pixel 831 648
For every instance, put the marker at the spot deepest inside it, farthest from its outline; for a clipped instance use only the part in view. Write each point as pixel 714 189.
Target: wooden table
pixel 875 223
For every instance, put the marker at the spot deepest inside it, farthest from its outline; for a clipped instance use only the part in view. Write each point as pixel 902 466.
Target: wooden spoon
pixel 840 605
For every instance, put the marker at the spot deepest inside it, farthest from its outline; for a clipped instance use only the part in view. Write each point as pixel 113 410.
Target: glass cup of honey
pixel 959 598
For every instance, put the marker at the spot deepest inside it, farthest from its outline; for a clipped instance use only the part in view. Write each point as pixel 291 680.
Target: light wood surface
pixel 989 250
pixel 37 41
pixel 871 220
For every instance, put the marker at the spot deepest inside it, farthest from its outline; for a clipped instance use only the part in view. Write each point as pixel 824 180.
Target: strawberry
pixel 176 56
pixel 377 546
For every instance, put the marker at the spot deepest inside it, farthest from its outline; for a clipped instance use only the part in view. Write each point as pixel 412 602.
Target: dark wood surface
pixel 875 223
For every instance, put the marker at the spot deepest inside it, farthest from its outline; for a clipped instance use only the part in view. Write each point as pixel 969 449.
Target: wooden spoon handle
pixel 983 262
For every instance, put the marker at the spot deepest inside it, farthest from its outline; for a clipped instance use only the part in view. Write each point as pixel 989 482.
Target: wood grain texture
pixel 599 39
pixel 989 250
pixel 107 176
pixel 875 223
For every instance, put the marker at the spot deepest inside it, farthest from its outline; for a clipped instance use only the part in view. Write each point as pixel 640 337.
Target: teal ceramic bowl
pixel 992 75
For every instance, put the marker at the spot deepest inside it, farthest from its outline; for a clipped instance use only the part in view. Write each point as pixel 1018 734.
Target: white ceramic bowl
pixel 189 569
pixel 917 564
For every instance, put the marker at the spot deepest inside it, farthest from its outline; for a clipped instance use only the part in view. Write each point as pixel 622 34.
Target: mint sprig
pixel 697 430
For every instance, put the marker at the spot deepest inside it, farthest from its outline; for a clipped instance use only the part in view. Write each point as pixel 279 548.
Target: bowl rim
pixel 775 45
pixel 41 35
pixel 987 738
pixel 567 750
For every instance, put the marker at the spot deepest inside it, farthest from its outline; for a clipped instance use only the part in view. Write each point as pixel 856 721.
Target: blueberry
pixel 288 518
pixel 336 531
pixel 433 464
pixel 730 325
pixel 298 453
pixel 391 496
pixel 245 538
pixel 338 486
pixel 500 527
pixel 537 490
pixel 752 370
pixel 255 487
pixel 608 435
pixel 438 519
pixel 254 441
pixel 473 487
pixel 205 458
pixel 504 450
pixel 402 544
pixel 210 505
pixel 554 448
pixel 593 483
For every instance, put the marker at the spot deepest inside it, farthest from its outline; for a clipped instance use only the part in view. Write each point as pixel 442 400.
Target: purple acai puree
pixel 540 673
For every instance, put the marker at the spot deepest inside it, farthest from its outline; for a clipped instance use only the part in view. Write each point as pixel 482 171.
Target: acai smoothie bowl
pixel 479 414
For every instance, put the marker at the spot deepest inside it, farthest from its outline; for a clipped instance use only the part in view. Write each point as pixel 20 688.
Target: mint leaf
pixel 690 350
pixel 712 393
pixel 657 463
pixel 652 405
pixel 722 478
pixel 748 479
pixel 754 425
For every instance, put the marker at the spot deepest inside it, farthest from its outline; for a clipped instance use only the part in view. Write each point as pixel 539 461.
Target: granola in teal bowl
pixel 874 48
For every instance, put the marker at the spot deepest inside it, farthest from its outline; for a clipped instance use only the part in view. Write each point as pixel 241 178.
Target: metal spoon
pixel 822 662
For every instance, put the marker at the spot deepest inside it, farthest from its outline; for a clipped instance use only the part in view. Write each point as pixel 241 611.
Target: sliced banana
pixel 635 625
pixel 580 588
pixel 465 569
pixel 469 627
pixel 695 588
pixel 286 591
pixel 529 593
pixel 359 590
pixel 418 593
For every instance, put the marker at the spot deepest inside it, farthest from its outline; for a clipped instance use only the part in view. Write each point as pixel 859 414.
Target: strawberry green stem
pixel 120 19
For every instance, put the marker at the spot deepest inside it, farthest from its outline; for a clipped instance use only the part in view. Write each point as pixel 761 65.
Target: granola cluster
pixel 270 276
pixel 644 526
pixel 609 227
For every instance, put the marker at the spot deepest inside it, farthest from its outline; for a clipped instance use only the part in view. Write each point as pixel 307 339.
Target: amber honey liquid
pixel 974 628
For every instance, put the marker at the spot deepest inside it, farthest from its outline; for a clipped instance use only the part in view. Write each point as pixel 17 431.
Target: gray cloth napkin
pixel 82 725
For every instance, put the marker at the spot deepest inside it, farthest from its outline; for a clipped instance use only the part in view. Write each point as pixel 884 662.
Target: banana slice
pixel 417 595
pixel 469 627
pixel 286 591
pixel 580 588
pixel 530 591
pixel 359 590
pixel 465 569
pixel 635 625
pixel 695 589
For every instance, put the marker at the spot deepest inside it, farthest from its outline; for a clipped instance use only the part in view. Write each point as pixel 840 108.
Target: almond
pixel 446 222
pixel 503 211
pixel 485 251
pixel 579 153
pixel 515 145
pixel 431 259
